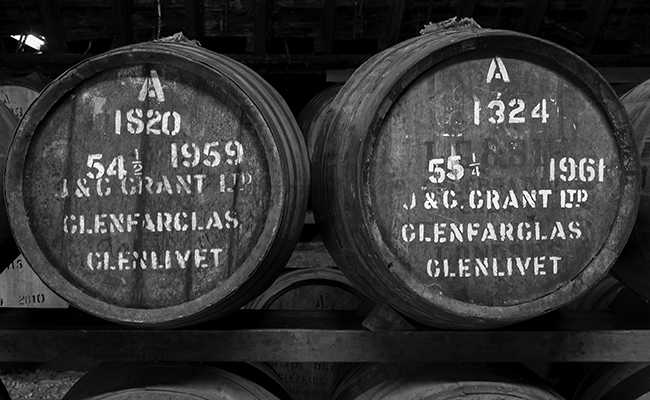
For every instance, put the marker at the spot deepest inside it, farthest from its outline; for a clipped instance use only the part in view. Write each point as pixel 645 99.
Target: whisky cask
pixel 441 381
pixel 116 380
pixel 20 287
pixel 316 288
pixel 19 93
pixel 312 115
pixel 473 178
pixel 158 185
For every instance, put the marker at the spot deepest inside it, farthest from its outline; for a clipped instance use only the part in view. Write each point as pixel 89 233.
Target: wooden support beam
pixel 260 27
pixel 122 22
pixel 394 24
pixel 54 33
pixel 327 24
pixel 465 8
pixel 194 11
pixel 594 23
pixel 533 16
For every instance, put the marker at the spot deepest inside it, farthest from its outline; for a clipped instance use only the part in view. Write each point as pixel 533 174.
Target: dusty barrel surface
pixel 475 178
pixel 165 380
pixel 441 381
pixel 158 184
pixel 621 381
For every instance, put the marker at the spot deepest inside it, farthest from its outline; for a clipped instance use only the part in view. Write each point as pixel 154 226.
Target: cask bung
pixel 158 185
pixel 475 178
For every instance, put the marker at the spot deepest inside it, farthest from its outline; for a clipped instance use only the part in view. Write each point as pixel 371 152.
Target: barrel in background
pixel 475 178
pixel 116 380
pixel 620 381
pixel 19 93
pixel 165 185
pixel 632 269
pixel 315 288
pixel 20 287
pixel 442 381
pixel 9 250
pixel 311 117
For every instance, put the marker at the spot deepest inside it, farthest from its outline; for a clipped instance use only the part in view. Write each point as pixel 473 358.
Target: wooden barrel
pixel 20 287
pixel 115 380
pixel 311 117
pixel 158 184
pixel 19 93
pixel 599 296
pixel 441 381
pixel 461 173
pixel 632 268
pixel 310 289
pixel 620 381
pixel 8 249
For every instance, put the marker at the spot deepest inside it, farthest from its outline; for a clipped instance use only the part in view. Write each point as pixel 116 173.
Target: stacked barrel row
pixel 468 178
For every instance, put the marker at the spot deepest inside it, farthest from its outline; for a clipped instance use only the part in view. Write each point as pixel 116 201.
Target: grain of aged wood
pixel 441 381
pixel 317 288
pixel 474 178
pixel 115 380
pixel 621 381
pixel 158 184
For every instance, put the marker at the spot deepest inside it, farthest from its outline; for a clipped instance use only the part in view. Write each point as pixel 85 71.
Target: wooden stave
pixel 118 380
pixel 292 168
pixel 346 243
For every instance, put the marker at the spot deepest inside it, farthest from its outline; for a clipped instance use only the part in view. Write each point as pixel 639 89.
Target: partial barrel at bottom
pixel 441 381
pixel 620 381
pixel 117 380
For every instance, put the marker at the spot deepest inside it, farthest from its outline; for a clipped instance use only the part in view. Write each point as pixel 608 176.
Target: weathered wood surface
pixel 319 336
pixel 474 178
pixel 20 287
pixel 164 184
